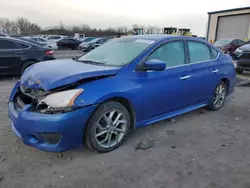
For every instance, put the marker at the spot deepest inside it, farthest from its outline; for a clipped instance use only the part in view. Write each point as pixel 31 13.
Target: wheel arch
pixel 227 82
pixel 26 61
pixel 125 102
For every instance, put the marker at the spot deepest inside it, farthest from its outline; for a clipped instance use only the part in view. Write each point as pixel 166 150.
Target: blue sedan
pixel 126 83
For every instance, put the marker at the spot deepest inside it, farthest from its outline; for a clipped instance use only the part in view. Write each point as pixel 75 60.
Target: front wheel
pixel 219 96
pixel 107 127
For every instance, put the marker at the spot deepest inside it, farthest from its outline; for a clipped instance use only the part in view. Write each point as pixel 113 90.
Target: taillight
pixel 50 52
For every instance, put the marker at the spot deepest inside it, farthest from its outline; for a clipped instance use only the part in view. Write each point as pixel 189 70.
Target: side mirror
pixel 155 65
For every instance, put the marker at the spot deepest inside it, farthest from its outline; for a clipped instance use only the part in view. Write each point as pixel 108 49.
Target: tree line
pixel 22 26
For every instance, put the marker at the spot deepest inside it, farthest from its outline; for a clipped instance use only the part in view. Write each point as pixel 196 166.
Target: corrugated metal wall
pixel 233 27
pixel 214 18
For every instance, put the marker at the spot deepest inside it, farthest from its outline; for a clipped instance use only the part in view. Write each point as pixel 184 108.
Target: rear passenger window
pixel 6 44
pixel 198 52
pixel 172 53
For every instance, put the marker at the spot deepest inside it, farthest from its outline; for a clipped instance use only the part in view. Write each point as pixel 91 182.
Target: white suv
pixel 53 39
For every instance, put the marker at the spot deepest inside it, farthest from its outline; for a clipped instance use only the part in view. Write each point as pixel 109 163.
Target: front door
pixel 161 92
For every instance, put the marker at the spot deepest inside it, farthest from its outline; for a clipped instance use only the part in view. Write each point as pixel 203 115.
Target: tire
pixel 109 137
pixel 26 65
pixel 220 102
pixel 239 71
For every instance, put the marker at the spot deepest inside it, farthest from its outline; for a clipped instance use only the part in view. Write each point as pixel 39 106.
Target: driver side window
pixel 172 53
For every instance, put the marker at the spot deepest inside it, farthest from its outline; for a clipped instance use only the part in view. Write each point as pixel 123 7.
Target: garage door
pixel 233 27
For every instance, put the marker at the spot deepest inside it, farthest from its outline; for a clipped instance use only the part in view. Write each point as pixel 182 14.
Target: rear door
pixel 10 57
pixel 204 73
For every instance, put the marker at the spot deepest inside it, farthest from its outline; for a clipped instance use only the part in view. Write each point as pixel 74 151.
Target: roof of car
pixel 20 40
pixel 160 37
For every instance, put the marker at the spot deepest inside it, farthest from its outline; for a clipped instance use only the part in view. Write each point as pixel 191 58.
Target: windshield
pixel 222 42
pixel 117 52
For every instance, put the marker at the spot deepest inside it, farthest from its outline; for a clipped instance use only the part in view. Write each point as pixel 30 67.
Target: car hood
pixel 245 47
pixel 48 75
pixel 220 45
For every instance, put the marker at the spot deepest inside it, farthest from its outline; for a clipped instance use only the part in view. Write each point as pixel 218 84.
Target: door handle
pixel 18 52
pixel 184 77
pixel 215 70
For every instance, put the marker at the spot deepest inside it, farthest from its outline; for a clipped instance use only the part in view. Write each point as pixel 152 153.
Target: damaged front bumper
pixel 48 132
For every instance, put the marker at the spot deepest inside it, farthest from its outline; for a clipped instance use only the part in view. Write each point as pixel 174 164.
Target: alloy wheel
pixel 219 96
pixel 110 129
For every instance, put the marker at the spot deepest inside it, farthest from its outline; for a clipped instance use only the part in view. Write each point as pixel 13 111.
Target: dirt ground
pixel 201 149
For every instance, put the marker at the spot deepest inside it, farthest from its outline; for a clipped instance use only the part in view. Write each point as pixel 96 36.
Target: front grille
pixel 21 100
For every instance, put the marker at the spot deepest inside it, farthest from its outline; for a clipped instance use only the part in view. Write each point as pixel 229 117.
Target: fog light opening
pixel 51 138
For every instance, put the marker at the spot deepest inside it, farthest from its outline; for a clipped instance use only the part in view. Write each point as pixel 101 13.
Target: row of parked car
pixel 18 53
pixel 61 42
pixel 56 42
pixel 239 50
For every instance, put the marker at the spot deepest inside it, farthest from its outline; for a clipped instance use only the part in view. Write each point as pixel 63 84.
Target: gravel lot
pixel 195 150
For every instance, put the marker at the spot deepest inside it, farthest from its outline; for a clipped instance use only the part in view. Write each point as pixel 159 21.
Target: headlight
pixel 61 99
pixel 238 50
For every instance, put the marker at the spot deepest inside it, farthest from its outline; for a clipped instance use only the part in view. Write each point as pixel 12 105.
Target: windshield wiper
pixel 90 62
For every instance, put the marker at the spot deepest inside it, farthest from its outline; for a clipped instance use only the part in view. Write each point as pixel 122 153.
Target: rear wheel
pixel 219 96
pixel 26 65
pixel 108 127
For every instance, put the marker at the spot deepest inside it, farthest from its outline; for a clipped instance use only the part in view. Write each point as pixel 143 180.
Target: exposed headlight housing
pixel 238 51
pixel 59 102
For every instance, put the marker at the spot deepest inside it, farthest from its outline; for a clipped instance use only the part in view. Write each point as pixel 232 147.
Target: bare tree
pixel 157 30
pixel 85 28
pixel 135 26
pixel 8 27
pixel 26 27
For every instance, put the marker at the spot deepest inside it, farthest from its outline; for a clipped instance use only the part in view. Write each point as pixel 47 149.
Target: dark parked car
pixel 242 58
pixel 126 83
pixel 30 40
pixel 88 46
pixel 39 40
pixel 228 46
pixel 100 42
pixel 3 35
pixel 16 55
pixel 68 43
pixel 87 39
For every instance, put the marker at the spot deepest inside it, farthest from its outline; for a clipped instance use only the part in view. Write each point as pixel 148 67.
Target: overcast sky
pixel 114 13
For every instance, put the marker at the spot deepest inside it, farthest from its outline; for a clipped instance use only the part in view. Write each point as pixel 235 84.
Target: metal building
pixel 226 24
